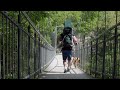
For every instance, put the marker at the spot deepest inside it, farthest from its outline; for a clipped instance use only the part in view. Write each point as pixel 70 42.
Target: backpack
pixel 67 38
pixel 67 41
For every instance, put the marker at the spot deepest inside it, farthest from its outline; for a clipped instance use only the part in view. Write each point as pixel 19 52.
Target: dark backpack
pixel 67 41
pixel 67 38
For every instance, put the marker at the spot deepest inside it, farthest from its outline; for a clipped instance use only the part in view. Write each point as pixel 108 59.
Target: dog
pixel 76 61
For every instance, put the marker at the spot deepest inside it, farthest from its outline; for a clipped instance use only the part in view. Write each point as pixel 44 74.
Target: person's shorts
pixel 67 54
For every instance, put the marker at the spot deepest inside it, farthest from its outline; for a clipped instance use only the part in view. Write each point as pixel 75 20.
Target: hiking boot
pixel 65 71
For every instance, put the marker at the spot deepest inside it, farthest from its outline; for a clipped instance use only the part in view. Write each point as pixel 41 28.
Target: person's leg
pixel 65 65
pixel 69 59
pixel 64 60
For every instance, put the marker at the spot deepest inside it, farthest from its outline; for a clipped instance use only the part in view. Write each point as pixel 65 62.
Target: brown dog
pixel 76 61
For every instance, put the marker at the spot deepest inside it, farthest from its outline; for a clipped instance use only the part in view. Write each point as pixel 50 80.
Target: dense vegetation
pixel 85 23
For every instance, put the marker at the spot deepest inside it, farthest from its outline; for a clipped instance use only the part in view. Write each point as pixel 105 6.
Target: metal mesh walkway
pixel 55 71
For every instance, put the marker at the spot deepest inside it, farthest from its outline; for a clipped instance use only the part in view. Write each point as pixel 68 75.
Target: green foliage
pixel 83 23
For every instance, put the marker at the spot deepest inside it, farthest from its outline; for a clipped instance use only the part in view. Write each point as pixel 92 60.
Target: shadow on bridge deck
pixel 55 71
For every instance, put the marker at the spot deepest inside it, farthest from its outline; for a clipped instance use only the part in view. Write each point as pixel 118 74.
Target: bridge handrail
pixel 32 24
pixel 111 28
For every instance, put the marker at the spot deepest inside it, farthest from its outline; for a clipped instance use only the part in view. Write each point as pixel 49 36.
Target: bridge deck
pixel 55 71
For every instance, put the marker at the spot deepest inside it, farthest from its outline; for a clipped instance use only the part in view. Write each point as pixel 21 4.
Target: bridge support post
pixel 91 59
pixel 104 50
pixel 29 51
pixel 2 52
pixel 35 54
pixel 19 36
pixel 115 51
pixel 39 63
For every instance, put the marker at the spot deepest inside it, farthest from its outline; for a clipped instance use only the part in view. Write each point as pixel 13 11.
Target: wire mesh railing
pixel 100 55
pixel 24 53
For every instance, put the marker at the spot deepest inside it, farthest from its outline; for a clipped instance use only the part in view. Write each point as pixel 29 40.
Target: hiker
pixel 67 41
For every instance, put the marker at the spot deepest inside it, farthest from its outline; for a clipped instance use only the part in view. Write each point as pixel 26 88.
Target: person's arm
pixel 75 40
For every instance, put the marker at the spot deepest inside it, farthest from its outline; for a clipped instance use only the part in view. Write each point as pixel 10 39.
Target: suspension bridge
pixel 26 54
